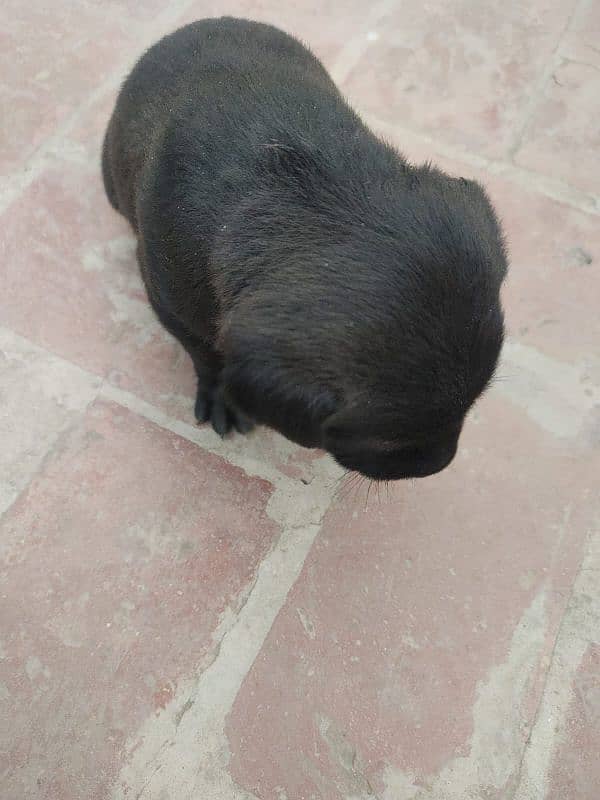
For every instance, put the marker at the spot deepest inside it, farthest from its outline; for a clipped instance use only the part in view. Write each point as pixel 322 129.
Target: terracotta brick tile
pixel 116 566
pixel 413 646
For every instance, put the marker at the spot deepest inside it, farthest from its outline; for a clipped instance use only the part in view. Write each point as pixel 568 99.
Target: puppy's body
pixel 320 284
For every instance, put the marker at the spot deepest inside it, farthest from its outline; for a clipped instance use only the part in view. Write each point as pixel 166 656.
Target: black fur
pixel 321 284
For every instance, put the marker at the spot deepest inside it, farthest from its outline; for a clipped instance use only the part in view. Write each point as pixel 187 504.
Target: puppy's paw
pixel 212 406
pixel 203 404
pixel 224 418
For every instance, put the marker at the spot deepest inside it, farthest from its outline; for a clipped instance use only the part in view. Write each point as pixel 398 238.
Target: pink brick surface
pixel 187 618
pixel 326 26
pixel 49 64
pixel 576 766
pixel 561 140
pixel 117 563
pixel 461 71
pixel 580 41
pixel 76 290
pixel 413 615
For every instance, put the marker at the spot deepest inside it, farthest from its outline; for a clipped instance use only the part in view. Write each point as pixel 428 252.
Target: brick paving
pixel 187 618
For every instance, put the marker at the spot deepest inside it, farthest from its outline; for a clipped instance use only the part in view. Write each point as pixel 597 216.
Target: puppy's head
pixel 406 423
pixel 379 328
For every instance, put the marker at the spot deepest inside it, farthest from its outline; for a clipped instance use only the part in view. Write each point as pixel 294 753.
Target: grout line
pixel 200 738
pixel 183 750
pixel 246 452
pixel 188 757
pixel 582 62
pixel 551 187
pixel 191 730
pixel 538 88
pixel 581 10
pixel 554 188
pixel 579 627
pixel 554 394
pixel 358 45
pixel 351 53
pixel 18 182
pixel 536 96
pixel 80 390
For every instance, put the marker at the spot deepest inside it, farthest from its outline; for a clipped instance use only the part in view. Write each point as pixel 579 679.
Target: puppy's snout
pixel 429 461
pixel 410 462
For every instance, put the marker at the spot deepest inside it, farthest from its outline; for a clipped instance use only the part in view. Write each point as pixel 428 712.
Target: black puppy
pixel 321 284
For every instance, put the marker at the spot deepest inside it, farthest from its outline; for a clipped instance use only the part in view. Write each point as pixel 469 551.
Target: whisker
pixel 343 489
pixel 359 485
pixel 368 492
pixel 348 485
pixel 341 481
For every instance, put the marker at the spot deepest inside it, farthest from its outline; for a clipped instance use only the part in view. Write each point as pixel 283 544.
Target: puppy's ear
pixel 263 380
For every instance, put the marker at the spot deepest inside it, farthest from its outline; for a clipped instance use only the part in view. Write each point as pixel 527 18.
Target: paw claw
pixel 212 407
pixel 242 423
pixel 202 407
pixel 219 415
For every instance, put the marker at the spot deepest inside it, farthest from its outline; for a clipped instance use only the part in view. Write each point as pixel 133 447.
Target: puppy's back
pixel 200 65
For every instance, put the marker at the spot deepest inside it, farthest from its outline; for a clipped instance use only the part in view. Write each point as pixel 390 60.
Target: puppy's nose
pixel 435 461
pixel 422 462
